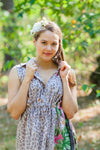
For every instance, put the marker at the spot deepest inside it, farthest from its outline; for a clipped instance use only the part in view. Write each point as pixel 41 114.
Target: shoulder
pixel 21 65
pixel 13 77
pixel 15 69
pixel 13 74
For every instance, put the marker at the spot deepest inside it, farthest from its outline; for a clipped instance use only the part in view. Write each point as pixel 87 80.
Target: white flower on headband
pixel 39 26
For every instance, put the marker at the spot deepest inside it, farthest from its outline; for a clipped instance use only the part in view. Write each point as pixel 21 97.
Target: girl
pixel 42 94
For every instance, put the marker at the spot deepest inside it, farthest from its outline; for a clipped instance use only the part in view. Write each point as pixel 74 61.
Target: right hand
pixel 31 67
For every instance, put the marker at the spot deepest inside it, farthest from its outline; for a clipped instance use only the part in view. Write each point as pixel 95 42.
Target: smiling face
pixel 47 45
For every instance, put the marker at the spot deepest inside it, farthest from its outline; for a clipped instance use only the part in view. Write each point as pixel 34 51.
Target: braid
pixel 59 55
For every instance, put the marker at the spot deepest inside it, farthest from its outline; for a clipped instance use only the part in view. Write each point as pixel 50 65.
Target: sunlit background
pixel 79 21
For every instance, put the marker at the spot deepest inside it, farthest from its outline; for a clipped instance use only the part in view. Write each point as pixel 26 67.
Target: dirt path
pixel 87 125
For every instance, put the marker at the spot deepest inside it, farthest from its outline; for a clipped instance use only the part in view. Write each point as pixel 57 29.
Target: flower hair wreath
pixel 39 26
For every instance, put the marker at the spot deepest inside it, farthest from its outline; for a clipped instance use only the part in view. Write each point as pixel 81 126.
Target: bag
pixel 72 134
pixel 65 137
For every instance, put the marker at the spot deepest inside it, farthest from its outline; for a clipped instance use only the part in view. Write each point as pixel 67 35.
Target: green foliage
pixel 78 20
pixel 8 65
pixel 98 93
pixel 4 79
pixel 86 88
pixel 80 124
pixel 10 38
pixel 12 41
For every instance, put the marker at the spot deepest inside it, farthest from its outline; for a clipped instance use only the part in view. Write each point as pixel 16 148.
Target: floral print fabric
pixel 62 140
pixel 42 126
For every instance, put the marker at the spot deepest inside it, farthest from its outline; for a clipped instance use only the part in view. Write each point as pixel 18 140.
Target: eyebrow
pixel 47 41
pixel 43 40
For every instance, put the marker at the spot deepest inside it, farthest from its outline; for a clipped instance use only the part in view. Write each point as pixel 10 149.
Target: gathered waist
pixel 40 103
pixel 40 108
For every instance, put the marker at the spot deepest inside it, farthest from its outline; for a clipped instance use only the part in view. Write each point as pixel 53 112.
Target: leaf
pixel 98 93
pixel 32 1
pixel 84 87
pixel 8 65
pixel 93 85
pixel 28 58
pixel 64 43
pixel 20 14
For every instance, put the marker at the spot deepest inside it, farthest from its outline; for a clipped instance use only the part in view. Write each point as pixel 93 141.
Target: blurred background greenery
pixel 79 21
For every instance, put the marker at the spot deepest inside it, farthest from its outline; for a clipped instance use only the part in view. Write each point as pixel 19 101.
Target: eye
pixel 54 43
pixel 43 42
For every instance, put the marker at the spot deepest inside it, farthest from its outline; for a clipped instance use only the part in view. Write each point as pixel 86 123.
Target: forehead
pixel 49 36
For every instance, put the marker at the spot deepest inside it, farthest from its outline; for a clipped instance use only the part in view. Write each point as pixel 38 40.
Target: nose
pixel 48 47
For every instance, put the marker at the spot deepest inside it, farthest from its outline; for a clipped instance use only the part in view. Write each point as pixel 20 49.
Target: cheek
pixel 56 48
pixel 38 50
pixel 55 51
pixel 41 47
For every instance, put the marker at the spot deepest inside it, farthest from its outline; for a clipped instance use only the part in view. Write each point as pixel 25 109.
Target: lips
pixel 47 54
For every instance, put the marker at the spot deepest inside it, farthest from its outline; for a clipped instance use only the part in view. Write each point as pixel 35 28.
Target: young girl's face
pixel 47 45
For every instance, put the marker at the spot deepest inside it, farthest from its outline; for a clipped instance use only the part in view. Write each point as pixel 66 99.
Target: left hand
pixel 65 68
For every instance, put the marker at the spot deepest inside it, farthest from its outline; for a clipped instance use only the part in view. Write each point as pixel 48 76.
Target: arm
pixel 17 92
pixel 69 102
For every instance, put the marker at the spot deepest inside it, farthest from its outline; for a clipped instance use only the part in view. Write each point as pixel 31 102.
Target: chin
pixel 47 58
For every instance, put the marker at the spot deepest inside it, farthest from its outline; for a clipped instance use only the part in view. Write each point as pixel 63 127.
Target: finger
pixel 68 72
pixel 34 68
pixel 32 65
pixel 63 68
pixel 31 61
pixel 63 65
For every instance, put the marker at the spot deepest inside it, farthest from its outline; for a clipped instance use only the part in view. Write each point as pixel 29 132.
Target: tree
pixel 79 22
pixel 95 79
pixel 8 30
pixel 7 5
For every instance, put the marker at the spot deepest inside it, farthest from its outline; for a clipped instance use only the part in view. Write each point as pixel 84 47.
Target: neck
pixel 44 64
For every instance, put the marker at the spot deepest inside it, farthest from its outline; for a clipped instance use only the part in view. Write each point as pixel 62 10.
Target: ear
pixel 34 41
